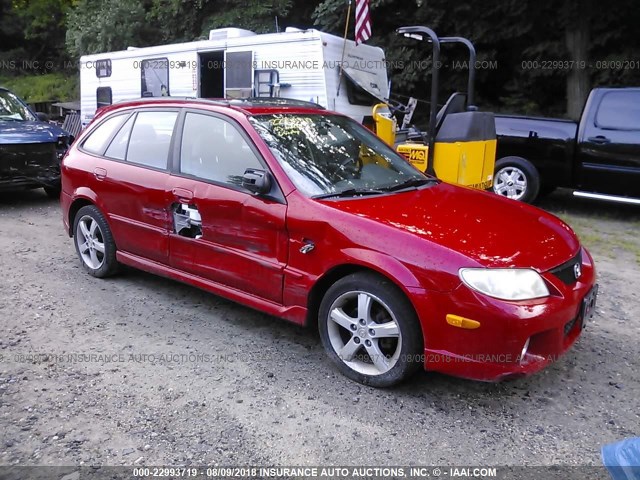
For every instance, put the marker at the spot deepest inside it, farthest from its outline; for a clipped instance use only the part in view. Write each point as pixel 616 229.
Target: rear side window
pixel 151 138
pixel 118 146
pixel 214 149
pixel 619 111
pixel 99 138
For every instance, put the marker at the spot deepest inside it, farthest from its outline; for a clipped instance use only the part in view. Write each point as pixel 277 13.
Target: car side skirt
pixel 295 314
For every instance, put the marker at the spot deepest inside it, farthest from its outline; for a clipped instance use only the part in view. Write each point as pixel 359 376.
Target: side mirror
pixel 256 181
pixel 43 117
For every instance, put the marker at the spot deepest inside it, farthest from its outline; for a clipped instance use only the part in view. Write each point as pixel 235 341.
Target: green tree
pixel 254 15
pixel 32 30
pixel 44 20
pixel 521 36
pixel 178 20
pixel 95 26
pixel 488 28
pixel 11 38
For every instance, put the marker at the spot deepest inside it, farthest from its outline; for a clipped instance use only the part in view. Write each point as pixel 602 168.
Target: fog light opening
pixel 524 350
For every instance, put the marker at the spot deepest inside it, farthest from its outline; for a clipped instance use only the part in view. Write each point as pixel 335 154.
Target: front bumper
pixel 31 165
pixel 47 178
pixel 494 351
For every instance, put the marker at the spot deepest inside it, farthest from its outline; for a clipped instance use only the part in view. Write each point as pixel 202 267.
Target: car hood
pixel 491 230
pixel 16 132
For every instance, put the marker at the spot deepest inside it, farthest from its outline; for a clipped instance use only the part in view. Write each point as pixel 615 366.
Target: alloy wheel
pixel 364 333
pixel 510 182
pixel 90 242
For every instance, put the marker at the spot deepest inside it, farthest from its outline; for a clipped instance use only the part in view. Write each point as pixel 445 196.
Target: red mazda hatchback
pixel 306 215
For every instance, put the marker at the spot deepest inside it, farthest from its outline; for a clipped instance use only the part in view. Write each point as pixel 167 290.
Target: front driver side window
pixel 213 149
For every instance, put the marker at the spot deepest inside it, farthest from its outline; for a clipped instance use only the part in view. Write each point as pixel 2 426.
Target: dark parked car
pixel 30 149
pixel 599 157
pixel 307 215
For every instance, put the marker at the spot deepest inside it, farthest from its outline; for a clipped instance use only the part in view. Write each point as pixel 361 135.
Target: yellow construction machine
pixel 463 138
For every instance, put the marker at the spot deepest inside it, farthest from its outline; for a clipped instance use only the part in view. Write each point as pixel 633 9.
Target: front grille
pixel 566 271
pixel 23 157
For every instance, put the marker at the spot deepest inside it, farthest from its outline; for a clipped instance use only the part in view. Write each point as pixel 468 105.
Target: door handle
pixel 99 173
pixel 182 194
pixel 600 140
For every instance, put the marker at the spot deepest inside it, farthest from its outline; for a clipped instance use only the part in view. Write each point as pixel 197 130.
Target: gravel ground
pixel 141 370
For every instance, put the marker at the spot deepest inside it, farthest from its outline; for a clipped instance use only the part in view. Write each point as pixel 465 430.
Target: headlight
pixel 505 283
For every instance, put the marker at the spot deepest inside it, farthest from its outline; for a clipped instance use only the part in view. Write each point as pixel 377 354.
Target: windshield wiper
pixel 409 183
pixel 350 192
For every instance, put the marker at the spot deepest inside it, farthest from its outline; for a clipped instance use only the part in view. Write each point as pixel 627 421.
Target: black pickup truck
pixel 599 157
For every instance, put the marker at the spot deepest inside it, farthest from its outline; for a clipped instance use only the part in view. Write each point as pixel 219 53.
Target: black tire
pixel 388 305
pixel 52 192
pixel 510 172
pixel 94 222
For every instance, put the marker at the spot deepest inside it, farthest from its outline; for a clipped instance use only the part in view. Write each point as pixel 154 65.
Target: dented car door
pixel 134 185
pixel 221 231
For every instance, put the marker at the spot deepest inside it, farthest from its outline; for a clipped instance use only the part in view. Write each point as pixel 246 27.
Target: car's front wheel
pixel 94 242
pixel 370 330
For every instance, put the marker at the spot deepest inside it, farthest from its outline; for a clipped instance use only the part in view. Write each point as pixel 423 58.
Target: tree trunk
pixel 578 82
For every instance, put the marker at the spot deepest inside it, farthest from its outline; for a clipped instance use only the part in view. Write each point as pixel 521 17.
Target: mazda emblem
pixel 577 270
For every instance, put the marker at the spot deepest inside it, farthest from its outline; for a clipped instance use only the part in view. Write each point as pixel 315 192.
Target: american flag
pixel 363 22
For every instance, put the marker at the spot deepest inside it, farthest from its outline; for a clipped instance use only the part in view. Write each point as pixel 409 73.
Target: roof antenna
pixel 277 26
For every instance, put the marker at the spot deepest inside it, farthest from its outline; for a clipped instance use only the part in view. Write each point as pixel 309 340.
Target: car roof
pixel 248 106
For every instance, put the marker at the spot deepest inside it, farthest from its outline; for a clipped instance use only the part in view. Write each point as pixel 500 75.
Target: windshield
pixel 12 108
pixel 326 155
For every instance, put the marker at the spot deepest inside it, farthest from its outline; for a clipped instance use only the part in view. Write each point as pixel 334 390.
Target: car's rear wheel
pixel 370 330
pixel 94 242
pixel 516 178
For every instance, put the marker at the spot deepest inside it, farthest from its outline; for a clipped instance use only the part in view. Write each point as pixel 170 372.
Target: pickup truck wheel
pixel 516 178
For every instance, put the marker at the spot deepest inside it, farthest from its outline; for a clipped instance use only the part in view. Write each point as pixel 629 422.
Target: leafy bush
pixel 43 88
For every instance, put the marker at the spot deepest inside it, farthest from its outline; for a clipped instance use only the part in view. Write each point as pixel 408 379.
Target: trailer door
pixel 211 83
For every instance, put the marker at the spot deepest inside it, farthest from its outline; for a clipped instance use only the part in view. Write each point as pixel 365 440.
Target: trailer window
pixel 104 97
pixel 362 87
pixel 239 72
pixel 359 96
pixel 103 68
pixel 619 111
pixel 155 77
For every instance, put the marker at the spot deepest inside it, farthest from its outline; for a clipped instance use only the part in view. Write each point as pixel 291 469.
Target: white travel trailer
pixel 235 63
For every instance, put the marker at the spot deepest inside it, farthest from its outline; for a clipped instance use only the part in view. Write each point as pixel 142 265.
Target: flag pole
pixel 344 47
